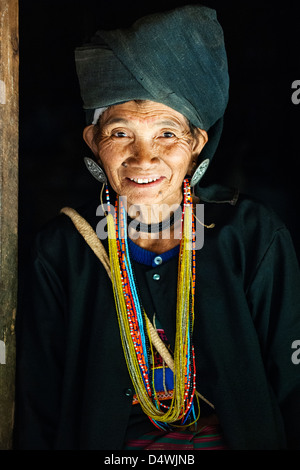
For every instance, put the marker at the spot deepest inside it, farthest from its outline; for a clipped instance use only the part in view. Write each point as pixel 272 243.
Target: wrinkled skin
pixel 146 140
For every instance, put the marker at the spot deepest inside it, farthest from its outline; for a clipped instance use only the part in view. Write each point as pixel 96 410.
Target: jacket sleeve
pixel 274 296
pixel 40 356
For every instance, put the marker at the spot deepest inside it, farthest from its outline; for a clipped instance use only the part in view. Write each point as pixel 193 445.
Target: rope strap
pixel 95 244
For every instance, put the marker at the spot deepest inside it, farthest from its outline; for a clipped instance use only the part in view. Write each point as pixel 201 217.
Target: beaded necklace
pixel 133 323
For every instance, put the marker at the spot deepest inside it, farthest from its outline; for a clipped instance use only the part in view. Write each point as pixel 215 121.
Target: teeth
pixel 143 181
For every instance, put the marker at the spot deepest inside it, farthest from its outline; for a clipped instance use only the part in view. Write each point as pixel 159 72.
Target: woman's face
pixel 146 149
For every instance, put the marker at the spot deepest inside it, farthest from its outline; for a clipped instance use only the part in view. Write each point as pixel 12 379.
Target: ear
pixel 89 138
pixel 200 139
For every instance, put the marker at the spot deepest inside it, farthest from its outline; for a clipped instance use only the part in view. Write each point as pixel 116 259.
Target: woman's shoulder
pixel 245 230
pixel 59 234
pixel 237 209
pixel 242 223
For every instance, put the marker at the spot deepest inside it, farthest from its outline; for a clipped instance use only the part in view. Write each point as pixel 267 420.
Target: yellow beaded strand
pixel 177 408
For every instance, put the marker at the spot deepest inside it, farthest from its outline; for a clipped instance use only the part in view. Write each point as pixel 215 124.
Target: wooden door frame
pixel 9 121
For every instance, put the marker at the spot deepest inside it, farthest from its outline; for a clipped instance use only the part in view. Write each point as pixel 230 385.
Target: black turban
pixel 176 58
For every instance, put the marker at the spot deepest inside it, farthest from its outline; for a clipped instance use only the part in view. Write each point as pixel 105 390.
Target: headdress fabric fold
pixel 176 58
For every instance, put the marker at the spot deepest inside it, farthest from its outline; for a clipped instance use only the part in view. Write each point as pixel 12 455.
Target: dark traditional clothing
pixel 74 390
pixel 205 439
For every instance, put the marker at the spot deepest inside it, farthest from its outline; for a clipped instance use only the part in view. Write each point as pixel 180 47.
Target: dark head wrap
pixel 176 58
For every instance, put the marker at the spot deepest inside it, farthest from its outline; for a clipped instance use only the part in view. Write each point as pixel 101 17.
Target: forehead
pixel 143 112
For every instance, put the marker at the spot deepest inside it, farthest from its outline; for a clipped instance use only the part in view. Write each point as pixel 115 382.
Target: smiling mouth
pixel 145 180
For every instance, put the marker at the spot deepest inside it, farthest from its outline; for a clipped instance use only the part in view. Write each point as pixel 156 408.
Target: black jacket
pixel 73 387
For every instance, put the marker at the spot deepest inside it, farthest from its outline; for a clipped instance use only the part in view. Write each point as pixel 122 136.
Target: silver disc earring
pixel 199 172
pixel 95 170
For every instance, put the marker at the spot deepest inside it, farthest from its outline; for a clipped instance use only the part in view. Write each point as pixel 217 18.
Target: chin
pixel 143 201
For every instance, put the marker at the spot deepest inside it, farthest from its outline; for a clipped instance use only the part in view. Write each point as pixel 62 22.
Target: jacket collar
pixel 216 193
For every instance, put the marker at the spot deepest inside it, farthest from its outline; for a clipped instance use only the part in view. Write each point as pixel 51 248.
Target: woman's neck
pixel 158 245
pixel 152 235
pixel 152 213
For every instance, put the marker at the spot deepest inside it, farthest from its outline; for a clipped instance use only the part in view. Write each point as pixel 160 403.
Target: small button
pixel 156 277
pixel 128 392
pixel 158 260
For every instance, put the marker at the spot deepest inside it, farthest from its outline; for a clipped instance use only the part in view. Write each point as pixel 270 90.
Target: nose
pixel 142 154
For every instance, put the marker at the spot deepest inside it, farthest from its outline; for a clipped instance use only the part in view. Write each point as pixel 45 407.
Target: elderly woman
pixel 141 338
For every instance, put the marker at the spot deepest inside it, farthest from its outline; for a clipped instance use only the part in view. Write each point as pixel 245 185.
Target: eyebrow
pixel 165 122
pixel 168 123
pixel 115 121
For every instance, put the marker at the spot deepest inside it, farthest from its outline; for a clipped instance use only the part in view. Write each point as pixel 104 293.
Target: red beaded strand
pixel 134 327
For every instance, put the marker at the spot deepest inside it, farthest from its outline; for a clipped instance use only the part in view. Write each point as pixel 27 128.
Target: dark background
pixel 259 148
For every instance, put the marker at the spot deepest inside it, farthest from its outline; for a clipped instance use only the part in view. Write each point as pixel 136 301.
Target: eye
pixel 168 135
pixel 120 134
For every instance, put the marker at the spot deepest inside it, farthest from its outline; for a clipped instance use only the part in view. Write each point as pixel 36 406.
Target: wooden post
pixel 9 70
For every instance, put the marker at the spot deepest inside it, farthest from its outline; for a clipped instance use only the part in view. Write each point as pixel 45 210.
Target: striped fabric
pixel 208 438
